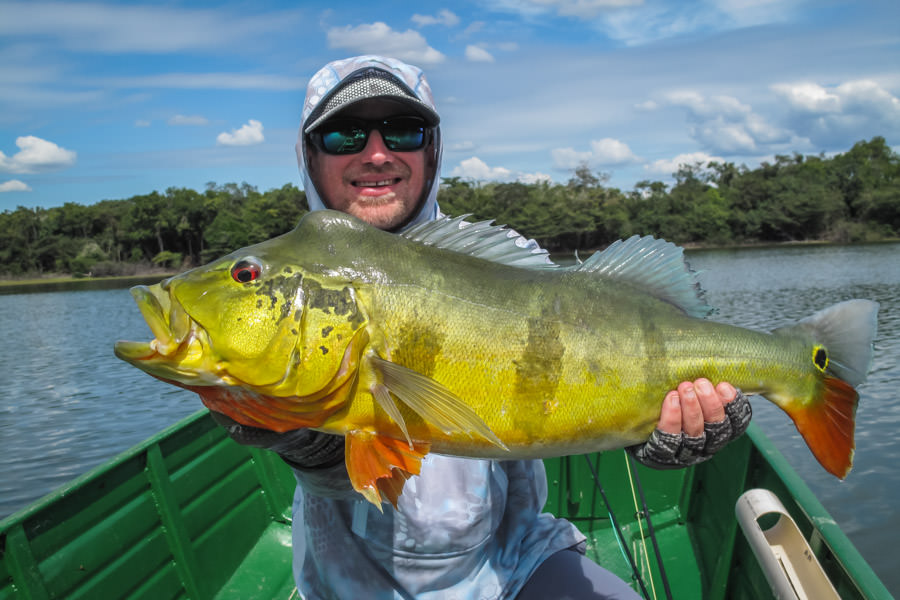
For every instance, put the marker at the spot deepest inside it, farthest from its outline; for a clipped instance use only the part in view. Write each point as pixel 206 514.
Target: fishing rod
pixel 619 535
pixel 632 472
pixel 618 530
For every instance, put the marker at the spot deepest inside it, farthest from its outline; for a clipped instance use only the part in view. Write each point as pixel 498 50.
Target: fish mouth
pixel 176 337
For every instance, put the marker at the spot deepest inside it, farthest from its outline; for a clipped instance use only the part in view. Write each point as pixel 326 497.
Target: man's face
pixel 377 185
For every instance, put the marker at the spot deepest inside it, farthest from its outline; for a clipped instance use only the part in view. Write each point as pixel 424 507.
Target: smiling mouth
pixel 377 184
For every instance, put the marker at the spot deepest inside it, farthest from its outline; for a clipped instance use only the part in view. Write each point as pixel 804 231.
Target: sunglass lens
pixel 345 139
pixel 404 140
pixel 403 134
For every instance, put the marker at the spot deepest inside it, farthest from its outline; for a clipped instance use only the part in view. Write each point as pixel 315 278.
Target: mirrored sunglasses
pixel 349 136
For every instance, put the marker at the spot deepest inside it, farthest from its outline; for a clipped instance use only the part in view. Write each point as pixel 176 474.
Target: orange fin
pixel 379 466
pixel 267 412
pixel 827 425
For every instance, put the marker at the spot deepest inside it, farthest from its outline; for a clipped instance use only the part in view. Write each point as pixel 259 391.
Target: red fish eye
pixel 245 271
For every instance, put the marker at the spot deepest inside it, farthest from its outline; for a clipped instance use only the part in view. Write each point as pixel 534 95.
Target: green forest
pixel 850 197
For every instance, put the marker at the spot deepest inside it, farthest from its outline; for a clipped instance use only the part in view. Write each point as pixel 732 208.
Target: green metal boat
pixel 191 514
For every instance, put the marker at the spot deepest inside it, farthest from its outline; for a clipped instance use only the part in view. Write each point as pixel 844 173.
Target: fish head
pixel 253 328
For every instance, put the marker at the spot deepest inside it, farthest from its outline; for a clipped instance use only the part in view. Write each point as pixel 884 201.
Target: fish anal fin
pixel 827 425
pixel 379 466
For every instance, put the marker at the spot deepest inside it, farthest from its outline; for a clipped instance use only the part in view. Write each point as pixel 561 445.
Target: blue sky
pixel 106 100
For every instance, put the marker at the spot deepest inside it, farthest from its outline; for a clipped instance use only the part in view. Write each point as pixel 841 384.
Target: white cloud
pixel 581 9
pixel 36 155
pixel 444 17
pixel 603 152
pixel 831 115
pixel 857 96
pixel 188 120
pixel 636 23
pixel 142 123
pixel 477 54
pixel 14 185
pixel 464 146
pixel 249 134
pixel 378 38
pixel 569 158
pixel 202 81
pixel 611 152
pixel 473 27
pixel 668 166
pixel 532 178
pixel 724 124
pixel 809 97
pixel 477 169
pixel 117 28
pixel 702 107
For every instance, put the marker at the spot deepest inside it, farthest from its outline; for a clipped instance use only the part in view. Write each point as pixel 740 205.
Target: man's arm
pixel 317 458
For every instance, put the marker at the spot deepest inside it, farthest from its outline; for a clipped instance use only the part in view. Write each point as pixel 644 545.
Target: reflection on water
pixel 68 404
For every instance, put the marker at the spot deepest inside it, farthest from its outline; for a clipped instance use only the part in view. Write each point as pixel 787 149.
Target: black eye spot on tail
pixel 820 357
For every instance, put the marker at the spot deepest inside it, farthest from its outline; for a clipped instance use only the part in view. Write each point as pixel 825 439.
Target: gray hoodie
pixel 465 528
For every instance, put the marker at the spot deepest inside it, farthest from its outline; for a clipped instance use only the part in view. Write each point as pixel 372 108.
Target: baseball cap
pixel 366 84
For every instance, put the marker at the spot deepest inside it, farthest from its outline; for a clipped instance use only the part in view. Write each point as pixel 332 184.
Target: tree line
pixel 850 197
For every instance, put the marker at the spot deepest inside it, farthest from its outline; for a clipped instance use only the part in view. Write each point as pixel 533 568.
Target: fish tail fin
pixel 843 337
pixel 827 425
pixel 845 331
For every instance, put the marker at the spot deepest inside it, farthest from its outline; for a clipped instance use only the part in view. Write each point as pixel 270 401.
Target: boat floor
pixel 266 571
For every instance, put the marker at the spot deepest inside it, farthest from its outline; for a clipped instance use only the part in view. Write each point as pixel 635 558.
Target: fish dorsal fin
pixel 655 266
pixel 496 243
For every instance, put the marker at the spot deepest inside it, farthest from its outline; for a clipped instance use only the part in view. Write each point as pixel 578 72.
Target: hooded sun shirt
pixel 341 84
pixel 464 528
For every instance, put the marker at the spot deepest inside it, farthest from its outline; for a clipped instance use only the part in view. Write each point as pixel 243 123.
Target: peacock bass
pixel 454 338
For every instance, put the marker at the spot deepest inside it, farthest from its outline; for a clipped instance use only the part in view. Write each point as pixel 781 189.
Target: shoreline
pixel 59 281
pixel 70 283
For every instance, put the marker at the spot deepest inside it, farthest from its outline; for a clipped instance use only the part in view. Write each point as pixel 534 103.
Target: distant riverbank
pixel 63 283
pixel 60 282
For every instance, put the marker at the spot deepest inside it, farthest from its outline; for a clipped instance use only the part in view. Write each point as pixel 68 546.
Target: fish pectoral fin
pixel 437 405
pixel 379 466
pixel 383 396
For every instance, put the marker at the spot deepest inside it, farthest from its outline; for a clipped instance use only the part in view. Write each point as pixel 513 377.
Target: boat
pixel 190 514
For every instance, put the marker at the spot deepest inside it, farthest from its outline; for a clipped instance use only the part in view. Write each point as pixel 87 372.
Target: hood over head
pixel 343 83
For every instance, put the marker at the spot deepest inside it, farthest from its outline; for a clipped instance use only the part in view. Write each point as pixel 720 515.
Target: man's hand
pixel 696 421
pixel 300 448
pixel 693 404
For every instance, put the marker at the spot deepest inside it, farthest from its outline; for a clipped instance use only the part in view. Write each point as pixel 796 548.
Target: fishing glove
pixel 673 450
pixel 300 448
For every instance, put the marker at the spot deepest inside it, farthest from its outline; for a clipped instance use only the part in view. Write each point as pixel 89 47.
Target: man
pixel 370 145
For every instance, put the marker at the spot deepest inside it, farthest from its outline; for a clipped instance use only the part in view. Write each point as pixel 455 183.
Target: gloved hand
pixel 666 450
pixel 300 448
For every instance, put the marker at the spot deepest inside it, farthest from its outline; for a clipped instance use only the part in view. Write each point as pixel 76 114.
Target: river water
pixel 67 404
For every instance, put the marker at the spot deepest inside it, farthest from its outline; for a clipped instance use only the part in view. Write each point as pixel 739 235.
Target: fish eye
pixel 246 270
